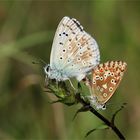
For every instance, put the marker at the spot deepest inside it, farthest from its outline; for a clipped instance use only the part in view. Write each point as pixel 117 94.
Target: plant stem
pixel 101 117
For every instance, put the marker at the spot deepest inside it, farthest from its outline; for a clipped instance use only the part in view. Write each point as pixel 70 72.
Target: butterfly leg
pixel 72 84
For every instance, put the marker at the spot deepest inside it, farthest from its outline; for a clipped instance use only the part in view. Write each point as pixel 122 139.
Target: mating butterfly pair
pixel 75 53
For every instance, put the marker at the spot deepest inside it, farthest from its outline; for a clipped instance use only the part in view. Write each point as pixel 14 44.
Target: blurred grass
pixel 26 33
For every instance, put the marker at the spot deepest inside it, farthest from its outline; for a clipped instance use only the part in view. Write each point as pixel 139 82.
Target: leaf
pixel 116 112
pixel 10 49
pixel 101 127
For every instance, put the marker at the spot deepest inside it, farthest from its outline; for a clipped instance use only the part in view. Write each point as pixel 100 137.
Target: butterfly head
pixel 54 73
pixel 47 70
pixel 50 73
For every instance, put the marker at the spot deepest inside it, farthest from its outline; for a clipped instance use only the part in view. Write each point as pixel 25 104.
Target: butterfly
pixel 74 52
pixel 106 78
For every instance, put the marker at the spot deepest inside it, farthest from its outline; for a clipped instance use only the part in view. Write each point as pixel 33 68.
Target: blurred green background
pixel 26 33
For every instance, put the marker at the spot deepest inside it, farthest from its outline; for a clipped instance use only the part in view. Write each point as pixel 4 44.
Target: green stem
pixel 101 117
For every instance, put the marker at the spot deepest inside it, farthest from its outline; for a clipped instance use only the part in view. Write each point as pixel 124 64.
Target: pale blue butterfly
pixel 74 52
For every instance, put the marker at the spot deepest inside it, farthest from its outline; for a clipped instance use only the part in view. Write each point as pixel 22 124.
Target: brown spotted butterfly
pixel 105 79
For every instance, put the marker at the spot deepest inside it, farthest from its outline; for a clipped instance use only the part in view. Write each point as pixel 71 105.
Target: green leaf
pixel 101 127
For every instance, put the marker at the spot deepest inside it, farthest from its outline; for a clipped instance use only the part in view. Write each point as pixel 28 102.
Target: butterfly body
pixel 105 80
pixel 74 52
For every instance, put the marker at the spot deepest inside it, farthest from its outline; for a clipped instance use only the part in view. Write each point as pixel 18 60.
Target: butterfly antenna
pixel 40 61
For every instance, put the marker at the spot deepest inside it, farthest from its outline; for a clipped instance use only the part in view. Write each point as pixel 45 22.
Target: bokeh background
pixel 26 33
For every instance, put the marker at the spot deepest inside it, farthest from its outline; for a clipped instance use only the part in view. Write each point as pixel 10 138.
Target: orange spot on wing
pixel 101 70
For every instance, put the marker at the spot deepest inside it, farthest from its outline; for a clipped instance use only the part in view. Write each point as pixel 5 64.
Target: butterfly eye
pixel 47 68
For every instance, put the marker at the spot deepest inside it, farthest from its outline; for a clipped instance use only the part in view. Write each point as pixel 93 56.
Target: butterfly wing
pixel 58 43
pixel 74 52
pixel 106 78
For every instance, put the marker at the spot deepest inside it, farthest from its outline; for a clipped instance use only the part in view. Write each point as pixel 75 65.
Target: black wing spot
pixel 60 43
pixel 109 74
pixel 65 34
pixel 101 78
pixel 64 50
pixel 78 25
